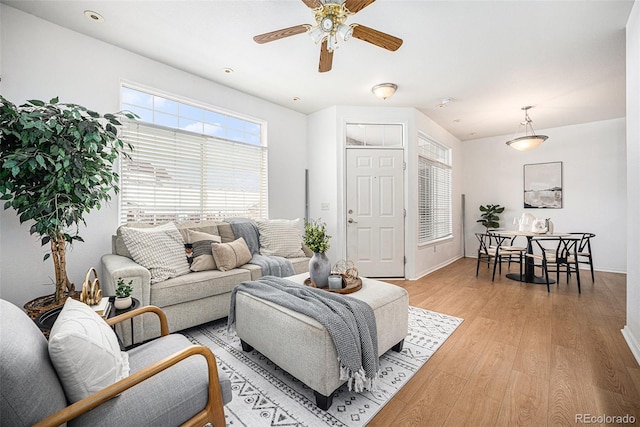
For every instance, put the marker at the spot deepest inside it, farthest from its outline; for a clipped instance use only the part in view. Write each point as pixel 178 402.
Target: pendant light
pixel 526 142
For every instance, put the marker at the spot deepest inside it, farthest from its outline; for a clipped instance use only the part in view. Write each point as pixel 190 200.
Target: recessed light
pixel 295 99
pixel 444 102
pixel 94 16
pixel 227 70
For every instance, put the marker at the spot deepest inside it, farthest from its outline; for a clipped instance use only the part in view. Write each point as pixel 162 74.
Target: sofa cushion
pixel 159 249
pixel 85 351
pixel 208 226
pixel 281 237
pixel 196 286
pixel 231 255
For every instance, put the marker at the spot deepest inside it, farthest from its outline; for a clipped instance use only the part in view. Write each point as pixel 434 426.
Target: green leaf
pixel 36 102
pixel 40 160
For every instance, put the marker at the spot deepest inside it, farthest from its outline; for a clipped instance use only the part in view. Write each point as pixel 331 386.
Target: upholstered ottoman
pixel 302 346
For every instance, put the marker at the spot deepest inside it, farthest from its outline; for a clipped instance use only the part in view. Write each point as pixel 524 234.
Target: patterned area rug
pixel 265 395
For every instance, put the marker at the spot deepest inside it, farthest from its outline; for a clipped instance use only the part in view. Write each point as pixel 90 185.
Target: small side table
pixel 114 312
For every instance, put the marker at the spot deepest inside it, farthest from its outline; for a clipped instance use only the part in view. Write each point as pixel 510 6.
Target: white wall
pixel 41 60
pixel 433 256
pixel 631 330
pixel 326 160
pixel 594 185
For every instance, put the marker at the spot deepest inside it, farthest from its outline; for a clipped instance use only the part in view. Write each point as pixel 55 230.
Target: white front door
pixel 375 211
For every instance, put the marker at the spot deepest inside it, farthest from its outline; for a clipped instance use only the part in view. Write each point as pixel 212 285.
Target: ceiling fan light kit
pixel 384 90
pixel 526 142
pixel 330 29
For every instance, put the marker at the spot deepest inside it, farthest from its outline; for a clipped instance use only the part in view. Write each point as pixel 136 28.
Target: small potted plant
pixel 123 294
pixel 317 239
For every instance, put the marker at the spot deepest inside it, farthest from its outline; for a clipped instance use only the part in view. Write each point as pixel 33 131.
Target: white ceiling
pixel 566 58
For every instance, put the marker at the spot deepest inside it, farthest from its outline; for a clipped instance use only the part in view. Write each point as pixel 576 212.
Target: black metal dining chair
pixel 557 255
pixel 583 251
pixel 491 252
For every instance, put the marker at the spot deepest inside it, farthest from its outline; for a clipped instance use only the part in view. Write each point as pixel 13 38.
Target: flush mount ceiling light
pixel 526 142
pixel 384 90
pixel 94 16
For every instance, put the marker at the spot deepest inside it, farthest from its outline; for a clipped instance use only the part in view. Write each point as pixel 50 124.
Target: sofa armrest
pixel 117 266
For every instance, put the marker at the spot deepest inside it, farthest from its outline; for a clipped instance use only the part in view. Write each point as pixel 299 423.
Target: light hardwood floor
pixel 522 356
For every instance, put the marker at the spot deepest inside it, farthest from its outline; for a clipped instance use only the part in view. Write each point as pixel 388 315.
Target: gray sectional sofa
pixel 199 296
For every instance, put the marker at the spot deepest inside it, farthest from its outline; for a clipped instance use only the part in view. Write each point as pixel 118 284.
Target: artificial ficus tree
pixel 56 166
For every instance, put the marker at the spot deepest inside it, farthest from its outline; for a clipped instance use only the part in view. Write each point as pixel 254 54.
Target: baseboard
pixel 632 342
pixel 438 267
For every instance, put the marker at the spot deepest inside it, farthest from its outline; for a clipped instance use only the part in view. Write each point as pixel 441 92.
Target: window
pixel 374 135
pixel 190 162
pixel 434 191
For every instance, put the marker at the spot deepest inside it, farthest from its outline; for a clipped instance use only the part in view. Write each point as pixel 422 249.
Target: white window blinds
pixel 434 191
pixel 174 175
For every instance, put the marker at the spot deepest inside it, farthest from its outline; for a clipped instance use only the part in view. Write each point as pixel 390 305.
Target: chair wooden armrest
pixel 214 409
pixel 164 325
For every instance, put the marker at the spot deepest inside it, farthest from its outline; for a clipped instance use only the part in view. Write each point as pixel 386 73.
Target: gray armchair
pixel 169 382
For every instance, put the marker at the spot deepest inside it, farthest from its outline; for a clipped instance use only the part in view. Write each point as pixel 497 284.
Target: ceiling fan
pixel 330 28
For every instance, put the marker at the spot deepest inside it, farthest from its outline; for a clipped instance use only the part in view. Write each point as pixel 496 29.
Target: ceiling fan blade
pixel 376 37
pixel 312 4
pixel 280 34
pixel 355 6
pixel 326 58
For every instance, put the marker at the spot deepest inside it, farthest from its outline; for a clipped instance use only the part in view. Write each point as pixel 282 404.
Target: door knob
pixel 351 221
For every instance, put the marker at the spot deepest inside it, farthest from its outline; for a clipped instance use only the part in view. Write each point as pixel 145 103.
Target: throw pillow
pixel 85 352
pixel 281 237
pixel 202 252
pixel 231 255
pixel 159 249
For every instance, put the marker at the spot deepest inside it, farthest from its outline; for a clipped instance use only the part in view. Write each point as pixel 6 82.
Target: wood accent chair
pixel 491 252
pixel 171 381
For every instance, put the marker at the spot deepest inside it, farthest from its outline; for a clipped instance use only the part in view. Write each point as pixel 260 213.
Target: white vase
pixel 122 302
pixel 320 269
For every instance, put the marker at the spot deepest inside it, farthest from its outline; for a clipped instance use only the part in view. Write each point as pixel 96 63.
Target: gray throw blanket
pixel 272 265
pixel 350 323
pixel 248 230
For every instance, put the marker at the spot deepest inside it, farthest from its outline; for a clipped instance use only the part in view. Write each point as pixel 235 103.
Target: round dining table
pixel 529 268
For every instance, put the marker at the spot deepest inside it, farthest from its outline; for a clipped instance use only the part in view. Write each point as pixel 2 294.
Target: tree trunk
pixel 58 253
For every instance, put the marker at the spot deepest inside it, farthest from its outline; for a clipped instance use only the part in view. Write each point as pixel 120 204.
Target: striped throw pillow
pixel 159 249
pixel 281 237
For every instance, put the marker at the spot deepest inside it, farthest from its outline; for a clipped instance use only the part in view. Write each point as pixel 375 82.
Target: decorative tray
pixel 348 286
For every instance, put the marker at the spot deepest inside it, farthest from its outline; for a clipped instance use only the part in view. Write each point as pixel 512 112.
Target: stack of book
pixel 103 308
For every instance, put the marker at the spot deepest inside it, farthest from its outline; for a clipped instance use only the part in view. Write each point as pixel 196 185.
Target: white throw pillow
pixel 85 352
pixel 281 237
pixel 159 249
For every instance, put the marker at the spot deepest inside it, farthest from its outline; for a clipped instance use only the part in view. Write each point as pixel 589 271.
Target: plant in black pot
pixel 56 166
pixel 489 216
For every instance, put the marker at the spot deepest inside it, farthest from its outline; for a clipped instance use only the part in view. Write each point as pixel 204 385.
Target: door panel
pixel 375 211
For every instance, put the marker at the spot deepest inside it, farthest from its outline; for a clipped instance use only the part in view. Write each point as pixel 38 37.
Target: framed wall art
pixel 543 185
